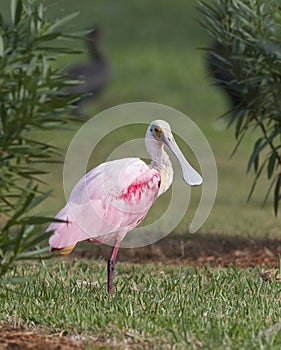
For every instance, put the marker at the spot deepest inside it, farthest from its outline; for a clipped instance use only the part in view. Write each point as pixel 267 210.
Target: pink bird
pixel 114 197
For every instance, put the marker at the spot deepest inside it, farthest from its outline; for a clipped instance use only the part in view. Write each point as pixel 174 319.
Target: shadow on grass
pixel 196 250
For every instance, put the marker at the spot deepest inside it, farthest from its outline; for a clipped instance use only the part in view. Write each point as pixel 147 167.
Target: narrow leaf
pixel 255 153
pixel 47 37
pixel 38 200
pixel 268 192
pixel 2 23
pixel 38 220
pixel 1 46
pixel 62 22
pixel 271 164
pixel 37 240
pixel 13 10
pixel 35 253
pixel 277 194
pixel 18 11
pixel 258 174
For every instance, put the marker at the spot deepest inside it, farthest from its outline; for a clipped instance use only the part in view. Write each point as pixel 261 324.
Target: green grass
pixel 152 307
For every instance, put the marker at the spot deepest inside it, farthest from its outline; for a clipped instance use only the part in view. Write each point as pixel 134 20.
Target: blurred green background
pixel 154 49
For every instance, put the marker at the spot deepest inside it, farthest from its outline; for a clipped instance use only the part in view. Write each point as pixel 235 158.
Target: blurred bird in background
pixel 94 75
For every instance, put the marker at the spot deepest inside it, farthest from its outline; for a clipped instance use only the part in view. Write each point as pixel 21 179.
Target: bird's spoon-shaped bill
pixel 190 175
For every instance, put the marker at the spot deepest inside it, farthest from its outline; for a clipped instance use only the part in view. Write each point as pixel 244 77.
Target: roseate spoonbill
pixel 95 74
pixel 114 197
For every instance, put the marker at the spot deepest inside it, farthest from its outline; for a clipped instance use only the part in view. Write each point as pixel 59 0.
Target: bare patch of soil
pixel 198 251
pixel 20 339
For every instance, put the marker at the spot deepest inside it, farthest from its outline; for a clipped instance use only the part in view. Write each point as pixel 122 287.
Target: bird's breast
pixel 166 180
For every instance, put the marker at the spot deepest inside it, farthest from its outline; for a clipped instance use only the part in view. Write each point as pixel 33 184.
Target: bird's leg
pixel 111 265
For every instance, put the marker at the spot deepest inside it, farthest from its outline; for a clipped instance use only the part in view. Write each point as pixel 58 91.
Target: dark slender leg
pixel 111 265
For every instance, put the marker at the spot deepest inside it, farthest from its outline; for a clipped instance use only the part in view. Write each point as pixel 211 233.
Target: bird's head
pixel 157 128
pixel 94 35
pixel 159 134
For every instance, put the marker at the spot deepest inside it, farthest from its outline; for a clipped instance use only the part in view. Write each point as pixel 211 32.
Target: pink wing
pixel 106 203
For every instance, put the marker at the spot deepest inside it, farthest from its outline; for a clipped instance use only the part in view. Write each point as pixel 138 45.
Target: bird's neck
pixel 95 52
pixel 161 162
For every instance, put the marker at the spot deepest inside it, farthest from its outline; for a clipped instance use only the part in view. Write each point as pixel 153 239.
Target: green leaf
pixel 38 239
pixel 47 37
pixel 2 22
pixel 238 143
pixel 268 192
pixel 18 11
pixel 271 164
pixel 258 174
pixel 34 254
pixel 240 124
pixel 2 50
pixel 259 145
pixel 39 220
pixel 277 194
pixel 61 22
pixel 39 200
pixel 26 196
pixel 13 10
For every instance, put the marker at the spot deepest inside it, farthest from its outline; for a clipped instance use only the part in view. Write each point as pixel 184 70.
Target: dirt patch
pixel 199 251
pixel 20 339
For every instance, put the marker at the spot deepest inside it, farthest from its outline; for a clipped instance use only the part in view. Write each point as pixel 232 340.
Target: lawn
pixel 153 306
pixel 154 50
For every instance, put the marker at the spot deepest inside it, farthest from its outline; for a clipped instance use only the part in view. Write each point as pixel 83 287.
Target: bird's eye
pixel 151 130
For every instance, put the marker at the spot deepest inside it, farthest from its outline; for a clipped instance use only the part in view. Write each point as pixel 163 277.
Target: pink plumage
pixel 106 203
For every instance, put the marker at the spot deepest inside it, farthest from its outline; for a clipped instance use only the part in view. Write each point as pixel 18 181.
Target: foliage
pixel 30 99
pixel 249 50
